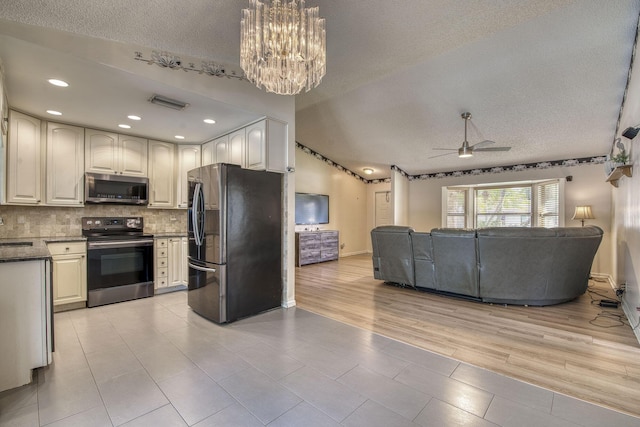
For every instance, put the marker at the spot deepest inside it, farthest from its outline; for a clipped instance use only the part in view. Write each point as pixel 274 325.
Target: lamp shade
pixel 582 213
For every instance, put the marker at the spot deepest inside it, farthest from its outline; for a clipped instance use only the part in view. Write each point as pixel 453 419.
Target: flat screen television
pixel 312 209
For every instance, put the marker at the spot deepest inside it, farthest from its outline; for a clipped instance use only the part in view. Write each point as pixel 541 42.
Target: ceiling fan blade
pixel 440 155
pixel 493 149
pixel 446 149
pixel 482 144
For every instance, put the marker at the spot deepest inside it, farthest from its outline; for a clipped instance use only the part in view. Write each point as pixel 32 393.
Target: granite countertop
pixel 170 234
pixel 31 248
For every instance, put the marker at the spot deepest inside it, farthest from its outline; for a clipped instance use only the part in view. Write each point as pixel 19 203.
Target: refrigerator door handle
pixel 195 213
pixel 197 267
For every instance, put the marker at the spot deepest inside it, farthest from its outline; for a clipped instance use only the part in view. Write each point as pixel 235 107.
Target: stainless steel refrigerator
pixel 235 241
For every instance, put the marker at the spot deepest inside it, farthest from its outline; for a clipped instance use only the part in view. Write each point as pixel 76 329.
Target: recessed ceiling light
pixel 209 121
pixel 179 137
pixel 123 126
pixel 368 171
pixel 54 112
pixel 60 83
pixel 132 117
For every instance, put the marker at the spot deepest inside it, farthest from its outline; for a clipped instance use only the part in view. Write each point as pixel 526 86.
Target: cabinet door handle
pixel 197 267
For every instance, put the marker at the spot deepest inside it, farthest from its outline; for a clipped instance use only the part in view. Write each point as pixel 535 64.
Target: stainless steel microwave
pixel 116 189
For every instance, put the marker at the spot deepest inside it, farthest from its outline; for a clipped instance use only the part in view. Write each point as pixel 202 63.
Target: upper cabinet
pixel 62 162
pixel 111 153
pixel 256 147
pixel 236 147
pixel 161 174
pixel 215 151
pixel 276 142
pixel 24 160
pixel 266 146
pixel 188 158
pixel 261 145
pixel 64 165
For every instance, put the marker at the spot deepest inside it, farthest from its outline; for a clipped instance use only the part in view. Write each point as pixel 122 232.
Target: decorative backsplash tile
pixel 48 221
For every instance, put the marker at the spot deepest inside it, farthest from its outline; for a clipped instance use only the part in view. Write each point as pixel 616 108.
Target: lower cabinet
pixel 171 271
pixel 69 273
pixel 316 246
pixel 161 264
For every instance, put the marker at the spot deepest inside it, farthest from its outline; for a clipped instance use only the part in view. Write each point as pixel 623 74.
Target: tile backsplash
pixel 48 221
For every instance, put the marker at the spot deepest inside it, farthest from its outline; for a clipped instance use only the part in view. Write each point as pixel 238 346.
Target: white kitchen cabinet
pixel 171 264
pixel 215 151
pixel 188 158
pixel 276 145
pixel 24 160
pixel 221 149
pixel 64 165
pixel 256 146
pixel 261 146
pixel 111 153
pixel 69 272
pixel 133 155
pixel 236 147
pixel 161 263
pixel 178 269
pixel 266 146
pixel 25 327
pixel 161 174
pixel 208 154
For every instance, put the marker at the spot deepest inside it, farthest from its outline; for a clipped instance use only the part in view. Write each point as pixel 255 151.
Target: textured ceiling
pixel 544 77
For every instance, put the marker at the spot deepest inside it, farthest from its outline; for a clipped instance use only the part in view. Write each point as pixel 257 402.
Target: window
pixel 524 204
pixel 503 207
pixel 456 208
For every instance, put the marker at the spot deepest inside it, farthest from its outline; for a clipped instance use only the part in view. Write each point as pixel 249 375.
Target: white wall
pixel 348 201
pixel 588 187
pixel 626 205
pixel 400 198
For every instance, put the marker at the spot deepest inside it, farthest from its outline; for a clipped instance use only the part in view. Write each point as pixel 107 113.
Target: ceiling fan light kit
pixel 467 150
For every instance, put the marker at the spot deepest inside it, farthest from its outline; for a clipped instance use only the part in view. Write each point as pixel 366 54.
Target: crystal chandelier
pixel 283 46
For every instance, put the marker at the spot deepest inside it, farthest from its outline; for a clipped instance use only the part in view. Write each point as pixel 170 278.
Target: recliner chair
pixel 393 254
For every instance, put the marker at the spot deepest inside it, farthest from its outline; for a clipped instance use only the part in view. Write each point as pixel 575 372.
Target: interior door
pixel 383 208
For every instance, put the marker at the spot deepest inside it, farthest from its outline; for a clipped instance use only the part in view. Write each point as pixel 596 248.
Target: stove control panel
pixel 113 223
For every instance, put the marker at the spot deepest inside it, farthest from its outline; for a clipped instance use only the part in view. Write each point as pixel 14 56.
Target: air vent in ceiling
pixel 168 102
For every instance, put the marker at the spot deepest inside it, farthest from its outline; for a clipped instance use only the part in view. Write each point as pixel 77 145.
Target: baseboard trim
pixel 353 253
pixel 606 278
pixel 289 303
pixel 629 312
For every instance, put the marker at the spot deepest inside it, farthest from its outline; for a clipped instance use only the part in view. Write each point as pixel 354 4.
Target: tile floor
pixel 153 362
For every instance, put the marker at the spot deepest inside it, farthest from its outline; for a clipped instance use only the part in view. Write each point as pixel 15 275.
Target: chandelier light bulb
pixel 283 46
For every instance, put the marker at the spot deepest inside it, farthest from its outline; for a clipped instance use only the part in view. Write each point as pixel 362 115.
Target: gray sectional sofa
pixel 525 266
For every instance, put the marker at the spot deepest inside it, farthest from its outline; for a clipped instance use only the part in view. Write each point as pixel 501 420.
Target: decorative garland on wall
pixel 341 168
pixel 478 171
pixel 501 169
pixel 169 60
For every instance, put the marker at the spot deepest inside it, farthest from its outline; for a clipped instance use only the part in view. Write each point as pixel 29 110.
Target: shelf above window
pixel 619 172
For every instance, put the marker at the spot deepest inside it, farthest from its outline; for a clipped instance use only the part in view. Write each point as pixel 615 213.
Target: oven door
pixel 115 263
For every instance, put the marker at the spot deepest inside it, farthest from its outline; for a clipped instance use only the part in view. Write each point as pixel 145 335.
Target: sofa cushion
pixel 423 258
pixel 456 262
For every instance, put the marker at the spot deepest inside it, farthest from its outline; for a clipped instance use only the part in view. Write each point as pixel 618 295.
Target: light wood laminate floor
pixel 575 348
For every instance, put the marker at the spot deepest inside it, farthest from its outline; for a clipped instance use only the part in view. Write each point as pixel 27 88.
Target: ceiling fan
pixel 467 150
